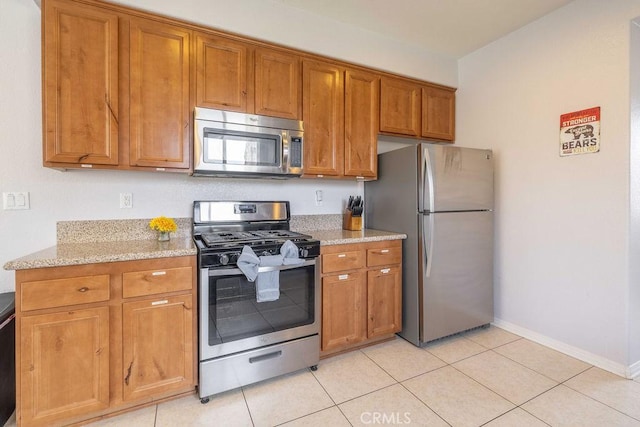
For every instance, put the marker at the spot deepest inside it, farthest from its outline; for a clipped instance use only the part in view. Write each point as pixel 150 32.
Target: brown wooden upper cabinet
pixel 438 113
pixel 238 76
pixel 224 77
pixel 414 109
pixel 399 107
pixel 80 75
pixel 340 114
pixel 116 89
pixel 362 97
pixel 159 95
pixel 323 116
pixel 119 86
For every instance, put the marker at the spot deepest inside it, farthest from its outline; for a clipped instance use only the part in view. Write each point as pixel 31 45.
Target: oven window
pixel 240 148
pixel 235 314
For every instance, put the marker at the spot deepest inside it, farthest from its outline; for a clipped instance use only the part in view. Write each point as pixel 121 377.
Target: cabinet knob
pixel 158 273
pixel 343 277
pixel 83 289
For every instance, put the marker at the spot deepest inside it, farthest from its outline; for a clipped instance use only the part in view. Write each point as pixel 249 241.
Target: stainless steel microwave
pixel 242 145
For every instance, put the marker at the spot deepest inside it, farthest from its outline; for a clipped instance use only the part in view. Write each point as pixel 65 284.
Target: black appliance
pixel 7 356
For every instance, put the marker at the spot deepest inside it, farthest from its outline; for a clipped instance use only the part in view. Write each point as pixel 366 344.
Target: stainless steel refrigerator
pixel 441 197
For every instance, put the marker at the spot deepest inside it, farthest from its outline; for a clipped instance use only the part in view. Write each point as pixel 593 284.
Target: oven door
pixel 231 319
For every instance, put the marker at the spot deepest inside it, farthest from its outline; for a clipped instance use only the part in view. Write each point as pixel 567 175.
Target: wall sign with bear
pixel 580 132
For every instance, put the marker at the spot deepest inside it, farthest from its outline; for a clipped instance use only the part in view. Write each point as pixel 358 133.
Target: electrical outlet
pixel 15 200
pixel 319 197
pixel 126 200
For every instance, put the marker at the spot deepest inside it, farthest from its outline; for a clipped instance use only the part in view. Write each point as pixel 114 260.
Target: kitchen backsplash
pixel 304 223
pixel 138 229
pixel 114 230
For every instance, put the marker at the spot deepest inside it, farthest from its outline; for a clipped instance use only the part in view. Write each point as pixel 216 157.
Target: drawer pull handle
pixel 164 301
pixel 342 255
pixel 83 289
pixel 343 277
pixel 265 356
pixel 385 270
pixel 384 251
pixel 159 273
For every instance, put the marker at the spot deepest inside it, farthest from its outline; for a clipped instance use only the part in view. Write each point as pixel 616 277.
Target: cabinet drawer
pixel 149 282
pixel 347 260
pixel 61 292
pixel 384 256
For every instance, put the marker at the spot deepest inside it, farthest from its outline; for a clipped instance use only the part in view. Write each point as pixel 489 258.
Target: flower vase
pixel 163 236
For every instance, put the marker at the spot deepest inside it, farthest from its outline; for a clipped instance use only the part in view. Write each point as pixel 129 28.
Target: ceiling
pixel 452 28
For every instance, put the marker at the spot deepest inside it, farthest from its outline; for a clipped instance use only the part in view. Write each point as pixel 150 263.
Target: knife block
pixel 350 222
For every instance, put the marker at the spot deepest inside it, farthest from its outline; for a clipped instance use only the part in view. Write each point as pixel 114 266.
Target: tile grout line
pixel 593 398
pixel 246 404
pixel 407 379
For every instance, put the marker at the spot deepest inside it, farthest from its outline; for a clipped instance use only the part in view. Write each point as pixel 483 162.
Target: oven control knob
pixel 304 252
pixel 224 259
pixel 265 253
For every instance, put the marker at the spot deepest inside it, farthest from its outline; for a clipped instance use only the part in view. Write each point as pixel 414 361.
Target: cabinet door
pixel 323 115
pixel 157 346
pixel 361 124
pixel 384 301
pixel 80 84
pixel 399 107
pixel 438 113
pixel 223 74
pixel 64 365
pixel 159 95
pixel 277 84
pixel 343 310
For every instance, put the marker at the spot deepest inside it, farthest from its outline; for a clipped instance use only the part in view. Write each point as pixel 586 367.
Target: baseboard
pixel 633 371
pixel 587 357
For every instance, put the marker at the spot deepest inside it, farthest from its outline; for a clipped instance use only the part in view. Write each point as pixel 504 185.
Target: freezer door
pixel 455 178
pixel 457 272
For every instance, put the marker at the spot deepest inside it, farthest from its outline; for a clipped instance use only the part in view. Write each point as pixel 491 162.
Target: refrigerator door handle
pixel 428 228
pixel 426 182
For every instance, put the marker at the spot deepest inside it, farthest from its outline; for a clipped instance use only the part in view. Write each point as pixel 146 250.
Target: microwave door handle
pixel 284 143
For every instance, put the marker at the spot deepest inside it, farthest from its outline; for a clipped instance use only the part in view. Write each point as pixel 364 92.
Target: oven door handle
pixel 235 271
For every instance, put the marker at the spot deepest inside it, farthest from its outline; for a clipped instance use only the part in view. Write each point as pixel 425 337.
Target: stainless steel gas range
pixel 245 248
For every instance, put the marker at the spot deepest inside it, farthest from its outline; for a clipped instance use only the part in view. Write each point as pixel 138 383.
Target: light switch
pixel 15 200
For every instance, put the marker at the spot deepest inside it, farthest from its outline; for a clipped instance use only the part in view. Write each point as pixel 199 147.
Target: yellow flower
pixel 162 223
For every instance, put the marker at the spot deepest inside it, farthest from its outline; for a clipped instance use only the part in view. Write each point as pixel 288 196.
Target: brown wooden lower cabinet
pixel 361 294
pixel 154 334
pixel 64 364
pixel 86 351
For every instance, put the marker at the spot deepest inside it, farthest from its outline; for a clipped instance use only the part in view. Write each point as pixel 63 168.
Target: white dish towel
pixel 289 252
pixel 268 282
pixel 248 263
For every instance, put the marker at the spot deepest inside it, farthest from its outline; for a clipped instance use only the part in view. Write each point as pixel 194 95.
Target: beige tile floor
pixel 487 377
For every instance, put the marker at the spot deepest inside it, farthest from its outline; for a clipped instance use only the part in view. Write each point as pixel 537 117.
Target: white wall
pixel 562 223
pixel 57 196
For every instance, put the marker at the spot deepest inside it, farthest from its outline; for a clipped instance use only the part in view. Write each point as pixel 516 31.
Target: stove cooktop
pixel 222 249
pixel 230 238
pixel 223 228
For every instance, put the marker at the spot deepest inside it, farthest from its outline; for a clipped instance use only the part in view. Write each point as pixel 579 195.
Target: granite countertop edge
pixel 67 254
pixel 343 237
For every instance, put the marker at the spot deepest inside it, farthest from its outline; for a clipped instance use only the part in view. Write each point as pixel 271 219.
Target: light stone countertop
pixel 91 242
pixel 341 237
pixel 98 252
